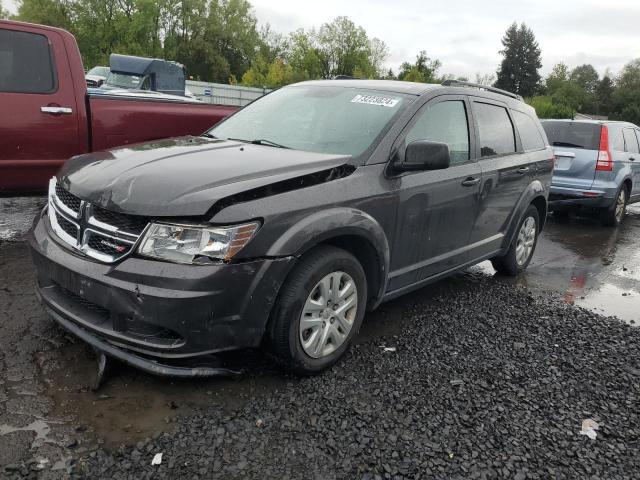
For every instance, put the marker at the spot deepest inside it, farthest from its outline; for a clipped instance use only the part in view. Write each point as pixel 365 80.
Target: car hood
pixel 183 176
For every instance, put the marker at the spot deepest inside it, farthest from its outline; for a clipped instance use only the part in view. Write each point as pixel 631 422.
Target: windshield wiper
pixel 260 141
pixel 567 144
pixel 208 135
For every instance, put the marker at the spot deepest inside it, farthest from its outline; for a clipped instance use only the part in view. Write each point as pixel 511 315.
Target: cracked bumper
pixel 151 310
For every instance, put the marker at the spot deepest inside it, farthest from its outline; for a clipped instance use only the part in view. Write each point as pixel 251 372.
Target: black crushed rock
pixel 487 381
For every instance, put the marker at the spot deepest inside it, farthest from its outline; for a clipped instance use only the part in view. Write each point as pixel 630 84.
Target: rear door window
pixel 25 63
pixel 573 134
pixel 630 141
pixel 528 130
pixel 444 122
pixel 495 130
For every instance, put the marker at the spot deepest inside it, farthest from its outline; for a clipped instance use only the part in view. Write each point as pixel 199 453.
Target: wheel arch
pixel 350 229
pixel 535 194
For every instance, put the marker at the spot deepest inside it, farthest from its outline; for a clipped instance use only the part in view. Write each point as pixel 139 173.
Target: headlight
pixel 186 244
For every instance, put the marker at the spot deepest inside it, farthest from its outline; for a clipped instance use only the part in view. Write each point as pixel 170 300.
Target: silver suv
pixel 597 166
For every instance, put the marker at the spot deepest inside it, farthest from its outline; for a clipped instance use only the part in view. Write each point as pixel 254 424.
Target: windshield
pixel 573 134
pixel 99 71
pixel 318 119
pixel 123 80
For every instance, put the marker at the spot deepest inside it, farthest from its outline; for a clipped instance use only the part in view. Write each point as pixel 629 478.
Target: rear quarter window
pixel 630 141
pixel 25 63
pixel 495 130
pixel 573 134
pixel 528 130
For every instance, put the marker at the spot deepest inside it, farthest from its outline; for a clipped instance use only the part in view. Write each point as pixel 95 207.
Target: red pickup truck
pixel 47 115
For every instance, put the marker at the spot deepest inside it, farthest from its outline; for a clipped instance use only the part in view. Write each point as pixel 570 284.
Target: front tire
pixel 520 252
pixel 613 216
pixel 319 310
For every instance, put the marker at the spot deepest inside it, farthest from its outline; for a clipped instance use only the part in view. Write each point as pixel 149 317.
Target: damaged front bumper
pixel 154 315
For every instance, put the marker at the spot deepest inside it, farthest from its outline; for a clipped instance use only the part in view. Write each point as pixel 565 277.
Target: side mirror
pixel 425 155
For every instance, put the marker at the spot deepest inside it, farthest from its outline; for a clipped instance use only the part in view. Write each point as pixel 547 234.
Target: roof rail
pixel 343 77
pixel 460 83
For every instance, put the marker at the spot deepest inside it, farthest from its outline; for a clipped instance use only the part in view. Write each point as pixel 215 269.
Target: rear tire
pixel 521 250
pixel 614 215
pixel 319 310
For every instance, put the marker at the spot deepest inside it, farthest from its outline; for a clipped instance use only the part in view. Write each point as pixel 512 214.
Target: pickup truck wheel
pixel 319 310
pixel 522 247
pixel 613 216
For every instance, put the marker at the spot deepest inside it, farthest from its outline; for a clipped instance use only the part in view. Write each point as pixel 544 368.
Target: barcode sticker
pixel 375 100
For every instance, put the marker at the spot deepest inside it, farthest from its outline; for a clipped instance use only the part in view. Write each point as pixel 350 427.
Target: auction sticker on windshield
pixel 375 100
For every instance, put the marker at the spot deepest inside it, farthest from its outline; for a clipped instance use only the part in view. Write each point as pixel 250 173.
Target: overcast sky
pixel 465 34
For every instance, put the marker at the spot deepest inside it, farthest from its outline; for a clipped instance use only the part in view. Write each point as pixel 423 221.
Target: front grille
pixel 69 228
pixel 98 233
pixel 129 223
pixel 68 199
pixel 108 246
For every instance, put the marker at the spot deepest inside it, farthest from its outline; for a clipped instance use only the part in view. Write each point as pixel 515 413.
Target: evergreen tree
pixel 604 95
pixel 518 71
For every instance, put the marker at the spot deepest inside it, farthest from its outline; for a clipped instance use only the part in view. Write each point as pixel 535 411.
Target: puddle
pixel 40 427
pixel 587 265
pixel 17 214
pixel 132 405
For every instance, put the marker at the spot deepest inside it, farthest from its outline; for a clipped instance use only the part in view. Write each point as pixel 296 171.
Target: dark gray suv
pixel 283 224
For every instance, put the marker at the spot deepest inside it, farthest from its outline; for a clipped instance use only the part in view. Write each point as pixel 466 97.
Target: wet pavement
pixel 588 265
pixel 48 414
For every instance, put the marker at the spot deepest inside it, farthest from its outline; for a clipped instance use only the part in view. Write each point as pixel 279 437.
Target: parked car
pixel 96 76
pixel 48 115
pixel 597 166
pixel 284 223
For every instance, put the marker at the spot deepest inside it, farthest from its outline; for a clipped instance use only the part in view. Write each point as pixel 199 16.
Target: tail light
pixel 605 161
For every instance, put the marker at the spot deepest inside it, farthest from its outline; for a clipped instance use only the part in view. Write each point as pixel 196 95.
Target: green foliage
pixel 604 95
pixel 336 48
pixel 424 70
pixel 546 108
pixel 518 71
pixel 213 38
pixel 626 97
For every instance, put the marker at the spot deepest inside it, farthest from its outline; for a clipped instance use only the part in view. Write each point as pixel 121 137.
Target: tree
pixel 56 13
pixel 604 95
pixel 557 78
pixel 424 70
pixel 345 49
pixel 3 13
pixel 485 79
pixel 585 76
pixel 626 98
pixel 518 71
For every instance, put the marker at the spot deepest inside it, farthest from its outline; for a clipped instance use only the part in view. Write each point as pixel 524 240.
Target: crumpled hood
pixel 183 176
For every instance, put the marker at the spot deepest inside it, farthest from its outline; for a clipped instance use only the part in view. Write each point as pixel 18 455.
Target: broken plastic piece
pixel 388 349
pixel 157 459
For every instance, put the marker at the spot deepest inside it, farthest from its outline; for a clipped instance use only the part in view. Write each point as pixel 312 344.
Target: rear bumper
pixel 560 197
pixel 153 314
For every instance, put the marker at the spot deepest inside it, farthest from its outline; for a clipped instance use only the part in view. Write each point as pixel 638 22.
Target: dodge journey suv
pixel 283 224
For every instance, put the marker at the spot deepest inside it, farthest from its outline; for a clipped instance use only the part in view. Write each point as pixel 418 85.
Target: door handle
pixel 471 181
pixel 57 110
pixel 523 170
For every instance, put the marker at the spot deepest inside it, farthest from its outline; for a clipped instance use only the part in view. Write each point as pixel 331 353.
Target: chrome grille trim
pixel 88 227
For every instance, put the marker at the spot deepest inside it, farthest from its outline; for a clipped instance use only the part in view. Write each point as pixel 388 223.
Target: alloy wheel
pixel 328 314
pixel 526 240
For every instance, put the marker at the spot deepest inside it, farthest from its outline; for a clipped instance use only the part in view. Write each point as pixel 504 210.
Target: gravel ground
pixel 487 381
